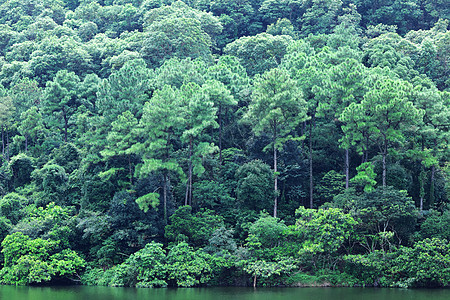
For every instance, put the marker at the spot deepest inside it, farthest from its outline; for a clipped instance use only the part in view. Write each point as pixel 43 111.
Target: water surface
pixel 109 293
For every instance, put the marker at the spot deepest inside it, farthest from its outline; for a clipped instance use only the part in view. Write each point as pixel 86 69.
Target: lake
pixel 109 293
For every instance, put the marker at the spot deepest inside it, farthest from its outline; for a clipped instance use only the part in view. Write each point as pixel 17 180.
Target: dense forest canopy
pixel 230 142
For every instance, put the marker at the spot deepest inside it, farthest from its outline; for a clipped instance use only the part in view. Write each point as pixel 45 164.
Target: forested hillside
pixel 232 142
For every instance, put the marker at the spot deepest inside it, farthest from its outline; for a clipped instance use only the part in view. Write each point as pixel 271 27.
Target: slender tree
pixel 277 107
pixel 160 127
pixel 199 114
pixel 61 98
pixel 385 113
pixel 223 101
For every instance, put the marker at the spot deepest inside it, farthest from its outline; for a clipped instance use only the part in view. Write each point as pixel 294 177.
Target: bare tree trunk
pixel 275 206
pixel 384 168
pixel 66 126
pixel 3 142
pixel 188 198
pixel 432 185
pixel 254 281
pixel 421 188
pixel 7 145
pixel 310 167
pixel 130 170
pixel 165 197
pixel 347 167
pixel 220 134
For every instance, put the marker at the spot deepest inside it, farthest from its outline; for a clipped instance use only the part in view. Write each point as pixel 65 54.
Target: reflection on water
pixel 108 293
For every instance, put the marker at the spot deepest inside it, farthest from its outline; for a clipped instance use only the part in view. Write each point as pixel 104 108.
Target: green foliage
pixel 147 201
pixel 380 212
pixel 145 268
pixel 259 53
pixel 113 114
pixel 21 166
pixel 29 261
pixel 436 225
pixel 52 180
pixel 179 30
pixel 323 230
pixel 254 180
pixel 406 266
pixel 52 222
pixel 261 268
pixel 193 228
pixel 332 184
pixel 365 177
pixel 266 232
pixel 11 205
pixel 186 267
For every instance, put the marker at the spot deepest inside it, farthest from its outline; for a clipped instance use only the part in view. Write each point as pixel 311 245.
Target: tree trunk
pixel 347 167
pixel 384 168
pixel 366 149
pixel 310 167
pixel 7 145
pixel 188 198
pixel 3 142
pixel 66 125
pixel 421 189
pixel 254 281
pixel 275 170
pixel 432 185
pixel 220 134
pixel 421 181
pixel 165 197
pixel 130 170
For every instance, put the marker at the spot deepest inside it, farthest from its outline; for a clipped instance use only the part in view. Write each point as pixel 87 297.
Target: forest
pixel 161 143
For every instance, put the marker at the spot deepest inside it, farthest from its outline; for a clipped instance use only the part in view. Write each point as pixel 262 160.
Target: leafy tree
pixel 52 179
pixel 21 167
pixel 125 90
pixel 330 185
pixel 321 16
pixel 11 205
pixel 265 233
pixel 322 232
pixel 29 261
pixel 7 109
pixel 277 106
pixel 55 53
pixel 308 68
pixel 144 268
pixel 379 212
pixel 31 126
pixel 261 268
pixel 342 86
pixel 259 53
pixel 385 113
pixel 121 138
pixel 199 114
pixel 180 31
pixel 365 177
pixel 253 189
pixel 193 228
pixel 161 125
pixel 61 98
pixel 175 72
pixel 217 92
pixel 186 267
pixel 436 225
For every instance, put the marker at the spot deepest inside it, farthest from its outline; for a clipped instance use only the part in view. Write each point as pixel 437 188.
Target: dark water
pixel 108 293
